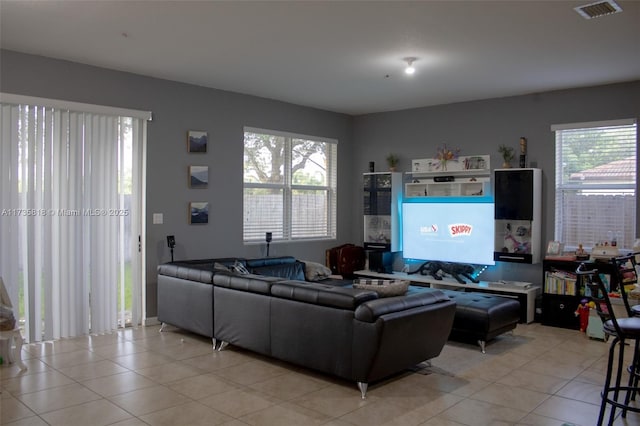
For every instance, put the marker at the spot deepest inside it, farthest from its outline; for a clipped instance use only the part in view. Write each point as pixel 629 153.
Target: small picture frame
pixel 198 176
pixel 198 212
pixel 554 248
pixel 197 141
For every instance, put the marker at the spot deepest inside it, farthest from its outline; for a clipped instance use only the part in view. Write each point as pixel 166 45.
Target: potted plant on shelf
pixel 507 155
pixel 392 161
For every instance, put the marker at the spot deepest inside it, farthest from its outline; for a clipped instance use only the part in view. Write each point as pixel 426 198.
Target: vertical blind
pixel 596 183
pixel 70 189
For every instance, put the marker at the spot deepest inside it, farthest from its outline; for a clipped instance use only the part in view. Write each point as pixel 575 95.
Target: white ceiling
pixel 344 56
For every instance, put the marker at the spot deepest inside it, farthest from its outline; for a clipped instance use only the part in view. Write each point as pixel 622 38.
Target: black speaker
pixel 171 242
pixel 381 261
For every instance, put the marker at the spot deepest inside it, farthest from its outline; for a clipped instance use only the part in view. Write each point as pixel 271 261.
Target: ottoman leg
pixel 482 344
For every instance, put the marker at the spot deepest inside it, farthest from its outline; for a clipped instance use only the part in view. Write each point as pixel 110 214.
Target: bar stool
pixel 622 330
pixel 626 274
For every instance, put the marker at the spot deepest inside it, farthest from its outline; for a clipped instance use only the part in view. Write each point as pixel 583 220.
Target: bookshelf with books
pixel 560 282
pixel 562 291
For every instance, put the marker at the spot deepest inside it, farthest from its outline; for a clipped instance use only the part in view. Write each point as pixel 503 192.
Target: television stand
pixel 525 292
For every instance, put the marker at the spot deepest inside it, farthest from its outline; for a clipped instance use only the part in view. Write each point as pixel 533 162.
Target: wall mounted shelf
pixel 467 176
pixel 382 193
pixel 461 187
pixel 518 215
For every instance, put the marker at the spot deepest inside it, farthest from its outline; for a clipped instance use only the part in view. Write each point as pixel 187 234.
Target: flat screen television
pixel 461 232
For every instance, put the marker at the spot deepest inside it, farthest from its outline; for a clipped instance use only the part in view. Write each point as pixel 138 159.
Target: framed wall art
pixel 198 176
pixel 197 141
pixel 198 212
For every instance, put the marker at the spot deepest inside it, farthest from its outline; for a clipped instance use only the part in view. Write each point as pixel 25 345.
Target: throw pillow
pixel 384 288
pixel 315 271
pixel 239 268
pixel 220 267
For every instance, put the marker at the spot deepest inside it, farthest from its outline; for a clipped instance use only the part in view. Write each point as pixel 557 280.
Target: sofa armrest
pixel 187 304
pixel 190 273
pixel 400 339
pixel 370 311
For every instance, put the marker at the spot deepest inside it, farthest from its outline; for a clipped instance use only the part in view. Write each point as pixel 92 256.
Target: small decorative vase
pixel 506 165
pixel 443 165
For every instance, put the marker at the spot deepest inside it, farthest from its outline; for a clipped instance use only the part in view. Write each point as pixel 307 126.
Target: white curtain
pixel 71 209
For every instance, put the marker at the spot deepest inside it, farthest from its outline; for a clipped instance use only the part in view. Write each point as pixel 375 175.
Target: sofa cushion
pixel 269 261
pixel 249 282
pixel 290 270
pixel 320 294
pixel 197 263
pixel 372 310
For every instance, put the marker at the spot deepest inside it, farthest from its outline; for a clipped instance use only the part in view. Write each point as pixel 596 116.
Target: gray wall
pixel 479 127
pixel 176 109
pixel 475 127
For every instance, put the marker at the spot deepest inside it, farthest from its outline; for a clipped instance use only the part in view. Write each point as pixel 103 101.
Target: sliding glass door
pixel 72 216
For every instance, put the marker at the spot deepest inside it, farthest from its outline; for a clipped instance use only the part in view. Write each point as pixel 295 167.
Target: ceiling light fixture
pixel 410 69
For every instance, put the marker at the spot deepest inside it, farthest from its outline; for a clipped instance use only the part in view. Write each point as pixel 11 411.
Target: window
pixel 596 183
pixel 289 186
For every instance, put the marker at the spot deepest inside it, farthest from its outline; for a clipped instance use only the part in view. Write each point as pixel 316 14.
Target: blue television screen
pixel 449 232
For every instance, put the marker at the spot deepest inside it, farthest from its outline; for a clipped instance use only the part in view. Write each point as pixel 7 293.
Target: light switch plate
pixel 157 219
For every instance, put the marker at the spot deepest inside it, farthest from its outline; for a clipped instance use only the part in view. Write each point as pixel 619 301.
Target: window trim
pixel 594 124
pixel 9 98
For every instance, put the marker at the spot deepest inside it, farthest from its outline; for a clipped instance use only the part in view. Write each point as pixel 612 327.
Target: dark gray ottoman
pixel 481 317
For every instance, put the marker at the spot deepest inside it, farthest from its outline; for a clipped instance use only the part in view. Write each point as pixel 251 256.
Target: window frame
pixel 288 187
pixel 562 187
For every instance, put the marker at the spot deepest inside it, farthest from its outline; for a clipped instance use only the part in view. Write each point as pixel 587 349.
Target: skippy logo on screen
pixel 460 229
pixel 455 230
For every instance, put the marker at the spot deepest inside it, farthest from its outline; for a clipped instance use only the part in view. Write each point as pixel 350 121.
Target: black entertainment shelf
pixel 560 302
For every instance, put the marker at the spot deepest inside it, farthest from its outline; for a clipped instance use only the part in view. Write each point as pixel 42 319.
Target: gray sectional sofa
pixel 346 332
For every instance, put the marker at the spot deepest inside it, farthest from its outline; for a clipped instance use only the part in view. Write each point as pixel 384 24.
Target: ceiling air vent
pixel 598 9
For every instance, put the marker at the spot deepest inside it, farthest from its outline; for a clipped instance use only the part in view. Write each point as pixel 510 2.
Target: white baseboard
pixel 151 321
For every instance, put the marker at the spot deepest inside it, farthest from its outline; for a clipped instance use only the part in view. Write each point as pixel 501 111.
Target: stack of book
pixel 560 282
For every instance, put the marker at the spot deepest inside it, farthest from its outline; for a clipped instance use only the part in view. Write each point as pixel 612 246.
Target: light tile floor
pixel 536 376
